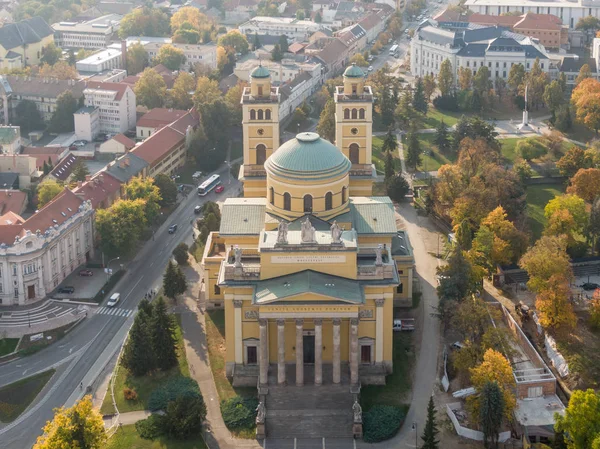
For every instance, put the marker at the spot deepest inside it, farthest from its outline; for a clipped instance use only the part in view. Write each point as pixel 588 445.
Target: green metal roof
pixel 308 281
pixel 354 71
pixel 260 72
pixel 308 157
pixel 243 216
pixel 373 215
pixel 318 224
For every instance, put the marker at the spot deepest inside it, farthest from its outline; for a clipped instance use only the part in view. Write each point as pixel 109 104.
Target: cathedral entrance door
pixel 308 344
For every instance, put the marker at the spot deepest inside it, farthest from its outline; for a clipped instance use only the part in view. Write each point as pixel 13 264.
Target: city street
pixel 86 350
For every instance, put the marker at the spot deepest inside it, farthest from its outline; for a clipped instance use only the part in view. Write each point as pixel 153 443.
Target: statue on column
pixel 307 231
pixel 282 231
pixel 378 255
pixel 357 410
pixel 261 413
pixel 237 254
pixel 336 232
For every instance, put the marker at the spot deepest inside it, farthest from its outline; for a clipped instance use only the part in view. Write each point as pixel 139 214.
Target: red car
pixel 219 189
pixel 86 273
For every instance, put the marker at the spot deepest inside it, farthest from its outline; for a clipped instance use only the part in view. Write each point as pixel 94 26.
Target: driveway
pixel 86 287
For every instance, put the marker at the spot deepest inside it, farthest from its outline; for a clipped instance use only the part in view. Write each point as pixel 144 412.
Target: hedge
pixel 381 423
pixel 151 427
pixel 107 287
pixel 239 412
pixel 178 386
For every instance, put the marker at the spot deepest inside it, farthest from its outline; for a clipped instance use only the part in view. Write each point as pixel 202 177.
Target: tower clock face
pixel 354 131
pixel 260 131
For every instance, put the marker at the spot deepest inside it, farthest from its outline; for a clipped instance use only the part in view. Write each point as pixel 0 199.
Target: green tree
pixel 144 189
pixel 464 235
pixel 256 43
pixel 144 21
pixel 580 422
pixel 593 228
pixel 588 23
pixel 546 258
pixel 523 170
pixel 150 89
pixel 162 331
pixel 326 125
pixel 236 40
pixel 389 170
pixel 445 77
pixel 553 96
pixel 562 81
pixel 491 413
pixel 167 190
pixel 429 86
pixel 572 161
pixel 181 254
pixel 50 54
pixel 136 356
pixel 47 191
pixel 318 18
pixel 203 152
pixel 216 117
pixel 405 113
pixel 442 137
pixel 277 54
pixel 207 91
pixel 184 416
pixel 584 73
pixel 413 150
pixel 171 57
pixel 27 116
pixel 121 226
pixel 419 100
pixel 481 80
pixel 431 429
pixel 458 279
pixel 516 76
pixel 562 118
pixel 80 171
pixel 359 60
pixel 137 58
pixel 283 43
pixel 571 203
pixel 179 97
pixel 396 187
pixel 62 119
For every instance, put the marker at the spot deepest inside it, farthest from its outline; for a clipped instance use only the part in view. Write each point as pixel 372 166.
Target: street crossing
pixel 114 311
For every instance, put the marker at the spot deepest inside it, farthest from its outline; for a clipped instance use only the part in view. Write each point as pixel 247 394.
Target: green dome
pixel 307 157
pixel 354 71
pixel 260 72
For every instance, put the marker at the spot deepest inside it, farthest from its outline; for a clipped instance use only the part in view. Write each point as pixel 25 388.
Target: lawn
pixel 399 382
pixel 8 345
pixel 16 397
pixel 431 159
pixel 379 156
pixel 537 198
pixel 127 438
pixel 144 385
pixel 509 147
pixel 434 117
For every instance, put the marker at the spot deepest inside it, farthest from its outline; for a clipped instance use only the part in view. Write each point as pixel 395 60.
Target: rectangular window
pixel 535 392
pixel 365 354
pixel 14 269
pixel 251 355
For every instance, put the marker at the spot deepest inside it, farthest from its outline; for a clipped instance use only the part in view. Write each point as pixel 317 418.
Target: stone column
pixel 353 351
pixel 299 353
pixel 318 351
pixel 379 330
pixel 264 356
pixel 237 319
pixel 336 351
pixel 281 352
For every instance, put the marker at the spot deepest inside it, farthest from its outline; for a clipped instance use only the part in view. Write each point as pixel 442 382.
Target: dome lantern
pixel 354 80
pixel 260 82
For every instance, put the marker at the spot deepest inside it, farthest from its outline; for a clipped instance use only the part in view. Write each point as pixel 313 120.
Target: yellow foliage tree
pixel 546 258
pixel 586 100
pixel 494 368
pixel 553 306
pixel 586 183
pixel 191 15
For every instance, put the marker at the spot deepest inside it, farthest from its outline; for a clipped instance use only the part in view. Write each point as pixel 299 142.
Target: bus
pixel 394 51
pixel 209 184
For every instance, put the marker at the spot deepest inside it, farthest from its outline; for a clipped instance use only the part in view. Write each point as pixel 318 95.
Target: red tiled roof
pixel 98 189
pixel 539 21
pixel 159 117
pixel 296 47
pixel 507 21
pixel 125 141
pixel 119 88
pixel 192 118
pixel 11 218
pixel 12 201
pixel 159 144
pixel 370 21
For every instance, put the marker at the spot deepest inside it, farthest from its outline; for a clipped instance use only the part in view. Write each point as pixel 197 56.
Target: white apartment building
pixel 475 47
pixel 116 105
pixel 87 123
pixel 284 71
pixel 569 11
pixel 294 29
pixel 92 34
pixel 38 253
pixel 194 53
pixel 108 59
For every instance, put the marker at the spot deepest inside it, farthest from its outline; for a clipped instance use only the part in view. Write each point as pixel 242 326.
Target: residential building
pixel 571 65
pixel 296 92
pixel 62 171
pixel 293 29
pixel 373 24
pixel 87 122
pixel 9 180
pixel 200 53
pixel 168 76
pixel 126 167
pixel 118 144
pixel 55 153
pixel 107 76
pixel 23 166
pixel 155 119
pixel 116 104
pixel 102 190
pixel 332 52
pixel 92 34
pixel 37 254
pixel 474 47
pixel 101 61
pixel 21 43
pixel 354 37
pixel 14 201
pixel 284 71
pixel 165 151
pixel 10 139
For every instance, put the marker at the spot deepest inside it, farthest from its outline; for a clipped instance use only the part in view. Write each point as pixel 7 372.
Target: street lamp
pixel 108 266
pixel 414 427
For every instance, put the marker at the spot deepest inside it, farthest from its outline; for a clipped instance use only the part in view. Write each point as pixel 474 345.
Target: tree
pixel 580 422
pixel 572 161
pixel 326 125
pixel 137 58
pixel 172 281
pixel 445 77
pixel 47 190
pixel 162 331
pixel 236 40
pixel 225 60
pixel 431 430
pixel 192 16
pixel 389 170
pixel 144 189
pixel 562 118
pixel 419 100
pixel 464 237
pixel 61 70
pixel 207 91
pixel 509 242
pixel 359 60
pixel 546 258
pixel 587 23
pixel 318 18
pixel 442 137
pixel 181 254
pixel 553 96
pixel 283 43
pixel 396 187
pixel 167 190
pixel 584 73
pixel 458 279
pixel 491 413
pixel 171 57
pixel 150 89
pixel 523 170
pixel 80 426
pixel 121 226
pixel 593 227
pixel 256 43
pixel 27 116
pixel 405 113
pixel 136 357
pixel 465 78
pixel 215 118
pixel 277 54
pixel 50 54
pixel 586 184
pixel 530 149
pixel 144 22
pixel 188 35
pixel 429 86
pixel 571 203
pixel 562 81
pixel 481 80
pixel 184 416
pixel 494 368
pixel 80 171
pixel 553 306
pixel 179 97
pixel 413 150
pixel 62 119
pixel 516 76
pixel 586 101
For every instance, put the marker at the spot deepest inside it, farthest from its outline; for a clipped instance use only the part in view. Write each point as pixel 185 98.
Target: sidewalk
pixel 127 418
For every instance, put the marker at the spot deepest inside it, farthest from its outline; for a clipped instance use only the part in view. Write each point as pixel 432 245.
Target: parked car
pixel 405 324
pixel 86 273
pixel 114 299
pixel 197 209
pixel 102 137
pixel 67 290
pixel 588 286
pixel 457 345
pixel 219 189
pixel 80 143
pixel 370 69
pixel 172 229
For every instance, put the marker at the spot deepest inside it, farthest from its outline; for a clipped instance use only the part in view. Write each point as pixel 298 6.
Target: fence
pixel 445 380
pixel 466 432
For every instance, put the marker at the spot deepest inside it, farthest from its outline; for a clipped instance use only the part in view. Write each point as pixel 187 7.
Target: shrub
pixel 184 417
pixel 446 102
pixel 174 388
pixel 595 310
pixel 381 423
pixel 151 427
pixel 530 149
pixel 181 254
pixel 130 394
pixel 239 412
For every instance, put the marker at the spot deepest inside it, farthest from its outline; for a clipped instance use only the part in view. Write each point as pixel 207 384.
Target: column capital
pixel 280 322
pixel 299 322
pixel 337 321
pixel 380 302
pixel 262 322
pixel 318 321
pixel 237 303
pixel 354 321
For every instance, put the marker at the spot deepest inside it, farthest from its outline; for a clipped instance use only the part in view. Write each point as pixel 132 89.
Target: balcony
pixel 365 95
pixel 249 269
pixel 253 171
pixel 368 270
pixel 273 97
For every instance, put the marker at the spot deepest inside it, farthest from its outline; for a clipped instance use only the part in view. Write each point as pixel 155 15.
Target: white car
pixel 370 69
pixel 80 143
pixel 114 299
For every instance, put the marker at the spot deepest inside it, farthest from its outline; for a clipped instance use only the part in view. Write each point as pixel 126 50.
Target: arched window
pixel 346 113
pixel 287 201
pixel 260 114
pixel 354 112
pixel 252 114
pixel 267 114
pixel 344 194
pixel 271 195
pixel 308 200
pixel 354 151
pixel 361 113
pixel 261 154
pixel 328 201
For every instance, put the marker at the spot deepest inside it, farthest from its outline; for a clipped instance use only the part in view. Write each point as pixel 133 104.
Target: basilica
pixel 308 263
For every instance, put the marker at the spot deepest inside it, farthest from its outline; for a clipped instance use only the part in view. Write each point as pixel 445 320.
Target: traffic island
pixel 16 397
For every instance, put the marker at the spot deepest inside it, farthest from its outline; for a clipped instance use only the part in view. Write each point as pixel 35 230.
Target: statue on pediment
pixel 237 254
pixel 307 231
pixel 282 232
pixel 336 232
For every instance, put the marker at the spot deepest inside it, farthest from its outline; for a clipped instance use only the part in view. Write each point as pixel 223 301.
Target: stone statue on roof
pixel 336 232
pixel 307 232
pixel 282 231
pixel 378 255
pixel 261 413
pixel 237 254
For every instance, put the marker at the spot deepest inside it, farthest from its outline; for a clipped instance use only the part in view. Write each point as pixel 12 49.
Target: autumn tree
pixel 150 89
pixel 190 25
pixel 50 54
pixel 61 70
pixel 359 60
pixel 236 40
pixel 120 226
pixel 592 230
pixel 170 56
pixel 516 76
pixel 553 306
pixel 465 78
pixel 553 96
pixel 494 368
pixel 566 214
pixel 144 189
pixel 445 78
pixel 572 161
pixel 145 21
pixel 586 101
pixel 586 184
pixel 207 91
pixel 137 58
pixel 47 191
pixel 546 258
pixel 482 80
pixel 580 422
pixel 429 86
pixel 584 73
pixel 326 125
pixel 179 97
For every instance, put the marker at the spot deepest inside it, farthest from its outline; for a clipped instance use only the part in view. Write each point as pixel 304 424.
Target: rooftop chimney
pixel 88 178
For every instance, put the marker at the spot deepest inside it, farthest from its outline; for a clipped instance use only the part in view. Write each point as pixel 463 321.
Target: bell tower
pixel 260 127
pixel 354 129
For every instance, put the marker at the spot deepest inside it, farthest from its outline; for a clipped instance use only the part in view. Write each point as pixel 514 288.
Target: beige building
pixel 92 34
pixel 194 54
pixel 116 104
pixel 21 43
pixel 22 164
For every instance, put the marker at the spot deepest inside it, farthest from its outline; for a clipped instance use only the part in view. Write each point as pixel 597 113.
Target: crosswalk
pixel 114 311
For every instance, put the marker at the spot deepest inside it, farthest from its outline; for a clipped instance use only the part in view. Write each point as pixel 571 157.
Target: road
pixel 82 354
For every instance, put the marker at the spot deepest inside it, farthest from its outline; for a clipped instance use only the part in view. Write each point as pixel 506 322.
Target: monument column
pixel 379 330
pixel 281 351
pixel 353 351
pixel 264 356
pixel 336 350
pixel 237 319
pixel 299 353
pixel 318 351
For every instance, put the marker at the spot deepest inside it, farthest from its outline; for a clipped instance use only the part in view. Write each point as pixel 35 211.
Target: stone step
pixel 310 443
pixel 334 397
pixel 310 425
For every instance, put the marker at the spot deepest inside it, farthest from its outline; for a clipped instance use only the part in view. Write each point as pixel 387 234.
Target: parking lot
pixel 86 287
